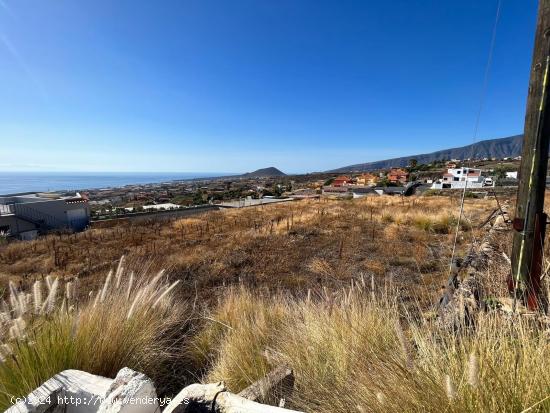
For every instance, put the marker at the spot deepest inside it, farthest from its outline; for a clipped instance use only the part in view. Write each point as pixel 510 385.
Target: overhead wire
pixel 476 126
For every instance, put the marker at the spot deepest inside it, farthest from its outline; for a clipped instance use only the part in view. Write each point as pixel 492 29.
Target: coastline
pixel 21 182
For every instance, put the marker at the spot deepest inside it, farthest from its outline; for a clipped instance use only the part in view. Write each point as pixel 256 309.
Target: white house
pixel 457 178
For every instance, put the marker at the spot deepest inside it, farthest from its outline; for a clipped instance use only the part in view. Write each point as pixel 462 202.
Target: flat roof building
pixel 26 215
pixel 457 178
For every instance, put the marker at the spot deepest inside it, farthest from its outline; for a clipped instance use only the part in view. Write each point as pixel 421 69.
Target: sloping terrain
pixel 491 148
pixel 295 246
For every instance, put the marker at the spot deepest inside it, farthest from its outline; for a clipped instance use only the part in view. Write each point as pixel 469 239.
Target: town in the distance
pixel 27 215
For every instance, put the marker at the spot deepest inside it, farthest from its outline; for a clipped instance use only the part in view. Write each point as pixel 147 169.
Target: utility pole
pixel 530 221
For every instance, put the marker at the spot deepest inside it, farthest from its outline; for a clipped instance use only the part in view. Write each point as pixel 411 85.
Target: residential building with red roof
pixel 398 175
pixel 342 180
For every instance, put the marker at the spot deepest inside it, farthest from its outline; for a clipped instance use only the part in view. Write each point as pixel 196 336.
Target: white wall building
pixel 457 178
pixel 27 214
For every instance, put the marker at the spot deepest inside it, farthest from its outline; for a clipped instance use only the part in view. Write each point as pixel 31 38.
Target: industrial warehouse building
pixel 28 214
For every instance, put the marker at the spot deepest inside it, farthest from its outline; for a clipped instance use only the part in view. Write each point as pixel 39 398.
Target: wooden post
pixel 278 384
pixel 527 244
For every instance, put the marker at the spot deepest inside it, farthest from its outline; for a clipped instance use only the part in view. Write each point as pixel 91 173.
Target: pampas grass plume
pixel 404 344
pixel 49 303
pixel 21 304
pixel 165 293
pixel 450 388
pixel 119 272
pixel 134 304
pixel 473 370
pixel 130 285
pixel 106 286
pixel 49 282
pixel 17 329
pixel 69 291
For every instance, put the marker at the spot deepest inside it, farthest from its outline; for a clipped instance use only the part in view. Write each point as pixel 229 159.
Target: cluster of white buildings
pixel 457 178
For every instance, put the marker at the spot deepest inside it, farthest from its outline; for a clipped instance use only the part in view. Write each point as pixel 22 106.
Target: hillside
pixel 264 172
pixel 341 286
pixel 491 148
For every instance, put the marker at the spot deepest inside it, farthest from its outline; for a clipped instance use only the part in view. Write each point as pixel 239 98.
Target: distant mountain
pixel 491 148
pixel 264 173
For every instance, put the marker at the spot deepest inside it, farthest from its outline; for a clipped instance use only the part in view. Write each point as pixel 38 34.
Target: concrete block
pixel 71 391
pixel 130 392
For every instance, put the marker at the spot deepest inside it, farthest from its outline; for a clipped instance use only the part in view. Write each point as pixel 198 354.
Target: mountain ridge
pixel 508 147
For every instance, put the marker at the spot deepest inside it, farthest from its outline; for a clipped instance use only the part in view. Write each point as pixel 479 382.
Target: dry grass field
pixel 338 290
pixel 298 246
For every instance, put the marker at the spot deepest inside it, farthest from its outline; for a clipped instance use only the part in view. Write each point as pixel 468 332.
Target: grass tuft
pixel 137 324
pixel 351 353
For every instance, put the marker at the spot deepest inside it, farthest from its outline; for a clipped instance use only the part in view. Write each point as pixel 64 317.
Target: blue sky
pixel 204 85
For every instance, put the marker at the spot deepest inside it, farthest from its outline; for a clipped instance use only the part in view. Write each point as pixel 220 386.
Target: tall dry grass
pixel 354 354
pixel 242 314
pixel 132 321
pixel 264 245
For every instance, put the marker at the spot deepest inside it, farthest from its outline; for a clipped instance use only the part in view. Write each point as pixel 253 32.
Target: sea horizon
pixel 38 181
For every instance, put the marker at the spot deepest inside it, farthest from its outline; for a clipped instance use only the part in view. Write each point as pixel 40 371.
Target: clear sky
pixel 235 85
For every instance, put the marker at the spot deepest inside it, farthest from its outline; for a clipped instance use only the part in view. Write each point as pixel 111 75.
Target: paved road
pixel 253 202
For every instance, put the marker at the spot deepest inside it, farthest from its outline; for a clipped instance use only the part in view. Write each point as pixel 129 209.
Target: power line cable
pixel 476 125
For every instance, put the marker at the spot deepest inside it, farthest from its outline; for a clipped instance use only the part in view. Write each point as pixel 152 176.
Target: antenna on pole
pixel 530 220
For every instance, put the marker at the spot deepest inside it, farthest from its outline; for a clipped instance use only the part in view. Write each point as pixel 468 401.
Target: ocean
pixel 15 182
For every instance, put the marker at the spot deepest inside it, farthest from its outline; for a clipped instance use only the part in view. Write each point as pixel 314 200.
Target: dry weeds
pixel 293 246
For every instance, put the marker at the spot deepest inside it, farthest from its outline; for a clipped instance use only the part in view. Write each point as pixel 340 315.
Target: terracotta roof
pixel 397 173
